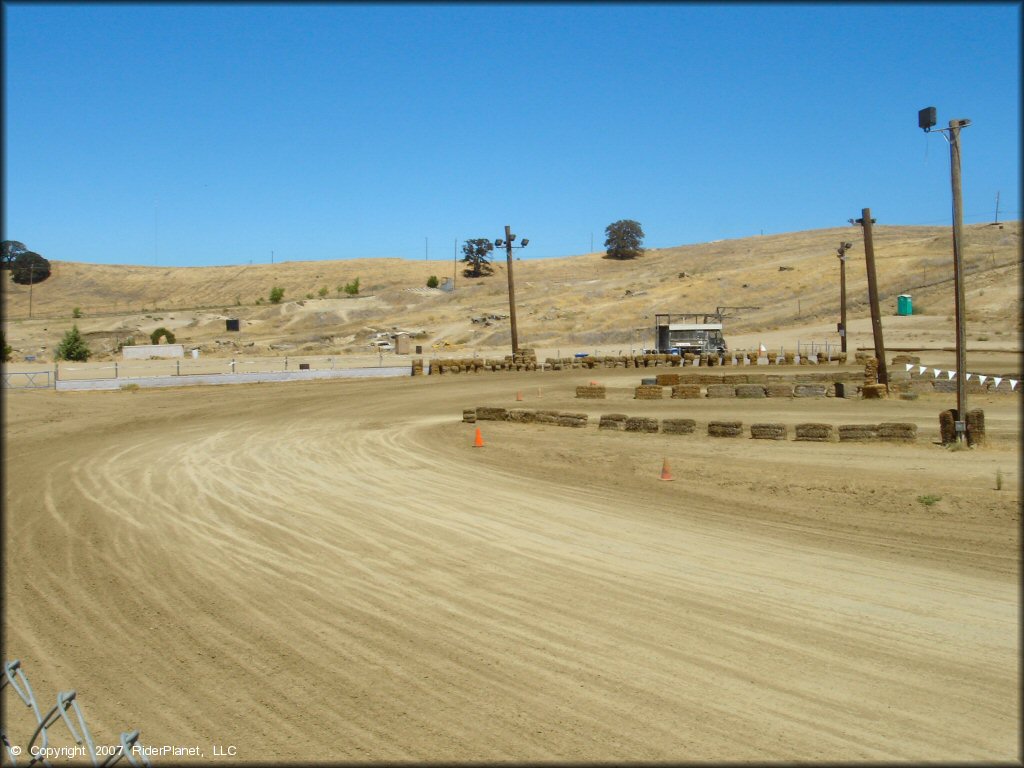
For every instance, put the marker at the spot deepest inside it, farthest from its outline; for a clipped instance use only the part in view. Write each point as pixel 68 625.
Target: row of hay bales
pixel 743 391
pixel 900 432
pixel 524 416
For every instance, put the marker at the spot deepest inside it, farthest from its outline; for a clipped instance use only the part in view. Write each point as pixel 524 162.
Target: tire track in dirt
pixel 357 588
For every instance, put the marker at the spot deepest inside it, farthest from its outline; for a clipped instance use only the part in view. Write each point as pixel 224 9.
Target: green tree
pixel 352 289
pixel 11 249
pixel 29 268
pixel 154 337
pixel 477 254
pixel 73 347
pixel 432 281
pixel 276 294
pixel 624 239
pixel 7 348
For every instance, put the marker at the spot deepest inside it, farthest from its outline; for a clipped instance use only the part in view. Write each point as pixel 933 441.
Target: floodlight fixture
pixel 926 119
pixel 525 242
pixel 499 243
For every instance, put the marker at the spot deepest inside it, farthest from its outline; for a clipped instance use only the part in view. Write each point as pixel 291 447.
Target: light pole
pixel 925 121
pixel 843 248
pixel 507 242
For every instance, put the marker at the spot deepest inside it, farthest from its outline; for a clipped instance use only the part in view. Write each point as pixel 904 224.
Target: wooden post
pixel 876 315
pixel 958 276
pixel 511 290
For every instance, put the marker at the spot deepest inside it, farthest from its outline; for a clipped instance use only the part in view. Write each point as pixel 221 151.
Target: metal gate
pixel 33 380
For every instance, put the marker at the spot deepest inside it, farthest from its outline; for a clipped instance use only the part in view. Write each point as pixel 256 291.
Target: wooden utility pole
pixel 958 276
pixel 876 315
pixel 842 293
pixel 511 290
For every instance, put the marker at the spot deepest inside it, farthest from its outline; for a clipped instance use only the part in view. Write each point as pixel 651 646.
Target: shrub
pixel 309 295
pixel 154 337
pixel 76 312
pixel 7 348
pixel 276 294
pixel 928 499
pixel 322 292
pixel 432 281
pixel 73 347
pixel 352 288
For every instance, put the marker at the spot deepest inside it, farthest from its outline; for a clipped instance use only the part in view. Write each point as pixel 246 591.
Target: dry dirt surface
pixel 331 571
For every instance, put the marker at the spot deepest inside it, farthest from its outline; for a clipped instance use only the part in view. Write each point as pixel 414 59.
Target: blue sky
pixel 191 134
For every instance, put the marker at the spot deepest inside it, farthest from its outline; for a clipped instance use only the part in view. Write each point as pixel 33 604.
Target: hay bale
pixel 572 420
pixel 769 431
pixel 861 433
pixel 947 426
pixel 486 413
pixel 976 427
pixel 778 390
pixel 897 431
pixel 648 392
pixel 810 390
pixel 469 415
pixel 640 424
pixel 546 417
pixel 522 415
pixel 874 391
pixel 721 390
pixel 591 392
pixel 615 421
pixel 710 378
pixel 678 426
pixel 750 390
pixel 909 395
pixel 666 379
pixel 725 428
pixel 814 432
pixel 683 391
pixel 944 385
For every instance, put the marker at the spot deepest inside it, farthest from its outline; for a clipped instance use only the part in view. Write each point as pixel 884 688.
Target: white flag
pixel 950 374
pixel 967 376
pixel 763 349
pixel 909 365
pixel 981 379
pixel 922 368
pixel 936 371
pixel 1013 385
pixel 998 380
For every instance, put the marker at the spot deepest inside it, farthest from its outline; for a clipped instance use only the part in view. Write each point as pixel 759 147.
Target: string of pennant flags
pixel 982 377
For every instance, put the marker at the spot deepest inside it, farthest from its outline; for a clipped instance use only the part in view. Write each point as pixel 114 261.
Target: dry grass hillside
pixel 786 284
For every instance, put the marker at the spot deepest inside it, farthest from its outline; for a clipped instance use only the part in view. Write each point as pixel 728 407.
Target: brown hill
pixel 782 283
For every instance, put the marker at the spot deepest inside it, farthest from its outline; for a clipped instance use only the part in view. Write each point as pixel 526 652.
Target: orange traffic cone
pixel 519 396
pixel 665 473
pixel 479 441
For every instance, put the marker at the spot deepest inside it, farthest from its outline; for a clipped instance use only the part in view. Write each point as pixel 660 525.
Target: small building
pixel 401 343
pixel 696 332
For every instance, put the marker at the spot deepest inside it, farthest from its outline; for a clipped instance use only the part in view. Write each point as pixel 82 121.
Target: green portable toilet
pixel 904 304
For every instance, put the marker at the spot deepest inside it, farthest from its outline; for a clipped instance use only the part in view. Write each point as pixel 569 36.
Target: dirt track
pixel 330 571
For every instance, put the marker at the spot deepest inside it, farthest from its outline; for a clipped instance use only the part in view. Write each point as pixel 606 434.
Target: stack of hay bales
pixel 648 392
pixel 874 391
pixel 686 391
pixel 667 379
pixel 750 390
pixel 721 390
pixel 640 424
pixel 523 360
pixel 522 415
pixel 725 428
pixel 486 413
pixel 417 367
pixel 778 389
pixel 947 426
pixel 591 392
pixel 858 433
pixel 469 415
pixel 814 432
pixel 810 390
pixel 572 419
pixel 616 421
pixel 768 431
pixel 897 432
pixel 678 426
pixel 976 427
